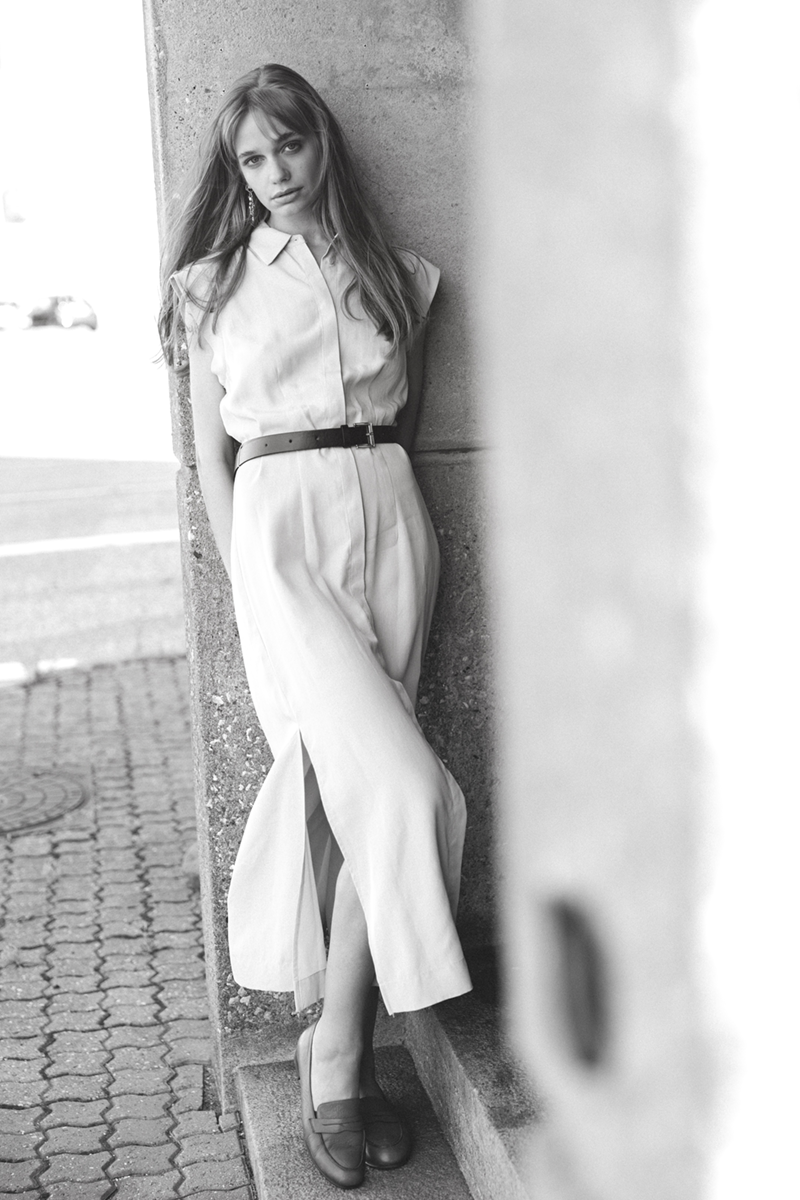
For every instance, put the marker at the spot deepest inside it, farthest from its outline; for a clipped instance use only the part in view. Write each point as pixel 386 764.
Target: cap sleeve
pixel 425 275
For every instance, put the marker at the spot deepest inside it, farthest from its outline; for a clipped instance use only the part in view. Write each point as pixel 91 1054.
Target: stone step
pixel 269 1101
pixel 483 1100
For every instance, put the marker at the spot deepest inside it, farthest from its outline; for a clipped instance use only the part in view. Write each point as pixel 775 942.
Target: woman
pixel 305 335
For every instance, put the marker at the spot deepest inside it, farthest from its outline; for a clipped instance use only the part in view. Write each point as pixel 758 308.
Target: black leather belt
pixel 363 434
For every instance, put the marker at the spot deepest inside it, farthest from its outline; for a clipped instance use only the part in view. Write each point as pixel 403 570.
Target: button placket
pixel 329 322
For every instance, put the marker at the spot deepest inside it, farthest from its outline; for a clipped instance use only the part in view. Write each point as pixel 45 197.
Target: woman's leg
pixel 368 1084
pixel 348 1015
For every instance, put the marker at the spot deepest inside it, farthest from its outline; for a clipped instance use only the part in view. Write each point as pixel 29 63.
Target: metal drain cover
pixel 27 801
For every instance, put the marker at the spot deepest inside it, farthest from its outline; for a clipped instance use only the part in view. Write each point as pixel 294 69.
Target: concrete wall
pixel 586 359
pixel 397 77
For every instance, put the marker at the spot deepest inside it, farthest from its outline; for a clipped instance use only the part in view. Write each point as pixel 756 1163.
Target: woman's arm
pixel 407 418
pixel 213 447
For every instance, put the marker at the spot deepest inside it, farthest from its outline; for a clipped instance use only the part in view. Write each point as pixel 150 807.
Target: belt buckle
pixel 370 433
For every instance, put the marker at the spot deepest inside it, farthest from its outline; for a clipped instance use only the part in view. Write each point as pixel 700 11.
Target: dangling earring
pixel 251 206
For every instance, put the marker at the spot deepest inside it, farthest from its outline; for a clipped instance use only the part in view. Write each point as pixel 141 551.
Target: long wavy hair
pixel 214 224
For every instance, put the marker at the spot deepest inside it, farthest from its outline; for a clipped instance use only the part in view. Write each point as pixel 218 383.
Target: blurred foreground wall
pixel 397 78
pixel 637 335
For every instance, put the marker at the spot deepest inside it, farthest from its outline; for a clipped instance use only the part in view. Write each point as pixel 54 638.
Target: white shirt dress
pixel 334 569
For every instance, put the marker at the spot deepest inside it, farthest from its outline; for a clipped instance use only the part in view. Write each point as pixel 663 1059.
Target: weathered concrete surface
pixel 231 758
pixel 455 702
pixel 479 1092
pixel 582 340
pixel 269 1096
pixel 397 77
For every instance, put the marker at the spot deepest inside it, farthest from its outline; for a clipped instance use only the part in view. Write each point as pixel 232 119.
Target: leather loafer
pixel 388 1139
pixel 334 1132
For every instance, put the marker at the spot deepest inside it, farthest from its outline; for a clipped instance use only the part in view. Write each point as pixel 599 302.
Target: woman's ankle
pixel 367 1080
pixel 334 1079
pixel 333 1042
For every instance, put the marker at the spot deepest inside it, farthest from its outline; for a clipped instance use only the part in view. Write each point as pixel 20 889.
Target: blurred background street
pixel 89 561
pixel 64 599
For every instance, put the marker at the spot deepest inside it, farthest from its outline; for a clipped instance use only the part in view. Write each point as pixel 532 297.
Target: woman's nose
pixel 278 170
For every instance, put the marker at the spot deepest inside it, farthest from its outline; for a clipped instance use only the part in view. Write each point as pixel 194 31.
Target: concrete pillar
pixel 590 410
pixel 396 76
pixel 640 185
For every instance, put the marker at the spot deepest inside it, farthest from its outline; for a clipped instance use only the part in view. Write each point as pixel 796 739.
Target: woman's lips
pixel 287 195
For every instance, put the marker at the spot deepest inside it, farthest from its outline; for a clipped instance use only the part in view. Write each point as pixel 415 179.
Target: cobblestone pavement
pixel 105 1085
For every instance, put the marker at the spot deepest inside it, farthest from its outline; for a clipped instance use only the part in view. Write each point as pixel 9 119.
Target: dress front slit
pixel 341 698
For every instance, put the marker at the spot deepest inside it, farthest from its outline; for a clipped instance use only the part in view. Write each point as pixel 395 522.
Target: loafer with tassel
pixel 388 1139
pixel 334 1132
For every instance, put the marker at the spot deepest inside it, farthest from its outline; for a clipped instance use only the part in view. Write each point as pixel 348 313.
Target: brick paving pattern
pixel 105 1084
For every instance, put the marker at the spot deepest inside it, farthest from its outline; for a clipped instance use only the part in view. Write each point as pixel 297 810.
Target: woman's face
pixel 282 167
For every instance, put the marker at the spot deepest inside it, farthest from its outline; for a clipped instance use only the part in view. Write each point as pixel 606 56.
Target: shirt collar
pixel 268 242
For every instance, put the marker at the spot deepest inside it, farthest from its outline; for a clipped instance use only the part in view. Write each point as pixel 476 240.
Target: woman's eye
pixel 293 147
pixel 253 161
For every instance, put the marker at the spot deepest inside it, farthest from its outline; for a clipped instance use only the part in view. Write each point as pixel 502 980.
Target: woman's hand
pixel 407 418
pixel 214 448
